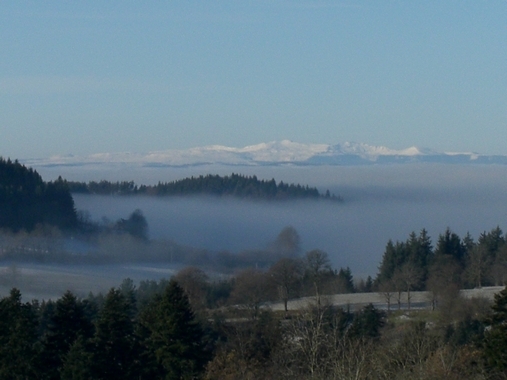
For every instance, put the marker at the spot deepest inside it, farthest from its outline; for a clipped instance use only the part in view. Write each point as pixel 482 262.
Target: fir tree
pixel 172 336
pixel 18 335
pixel 65 325
pixel 77 364
pixel 114 355
pixel 367 323
pixel 346 280
pixel 495 342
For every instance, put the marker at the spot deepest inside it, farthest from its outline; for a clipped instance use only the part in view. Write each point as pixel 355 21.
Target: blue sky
pixel 93 76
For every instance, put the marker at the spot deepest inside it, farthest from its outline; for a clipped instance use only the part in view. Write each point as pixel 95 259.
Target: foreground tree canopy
pixel 151 332
pixel 102 337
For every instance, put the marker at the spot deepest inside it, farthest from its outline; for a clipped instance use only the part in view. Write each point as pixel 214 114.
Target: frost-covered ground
pixel 355 301
pixel 37 281
pixel 51 281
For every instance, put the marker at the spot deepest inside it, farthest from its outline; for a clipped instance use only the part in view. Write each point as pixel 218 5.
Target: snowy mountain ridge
pixel 283 152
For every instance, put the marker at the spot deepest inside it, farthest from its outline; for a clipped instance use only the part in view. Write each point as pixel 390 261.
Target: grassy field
pixel 51 281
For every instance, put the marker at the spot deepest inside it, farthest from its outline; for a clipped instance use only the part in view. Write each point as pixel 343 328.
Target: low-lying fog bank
pixel 380 203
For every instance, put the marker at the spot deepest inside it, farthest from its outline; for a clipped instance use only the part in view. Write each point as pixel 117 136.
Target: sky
pixel 129 76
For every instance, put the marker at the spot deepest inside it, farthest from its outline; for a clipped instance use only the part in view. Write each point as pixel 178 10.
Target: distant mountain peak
pixel 284 152
pixel 379 150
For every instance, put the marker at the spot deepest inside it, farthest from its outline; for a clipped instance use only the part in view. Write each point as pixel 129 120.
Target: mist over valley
pixel 380 203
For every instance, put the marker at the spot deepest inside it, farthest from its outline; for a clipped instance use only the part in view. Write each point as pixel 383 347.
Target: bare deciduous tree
pixel 387 289
pixel 307 342
pixel 317 264
pixel 194 283
pixel 410 276
pixel 287 243
pixel 477 265
pixel 286 275
pixel 250 289
pixel 443 280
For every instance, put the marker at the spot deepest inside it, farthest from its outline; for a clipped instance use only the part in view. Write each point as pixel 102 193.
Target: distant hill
pixel 235 185
pixel 26 200
pixel 274 153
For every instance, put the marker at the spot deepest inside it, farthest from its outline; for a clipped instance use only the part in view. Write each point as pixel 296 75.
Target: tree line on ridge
pixel 235 185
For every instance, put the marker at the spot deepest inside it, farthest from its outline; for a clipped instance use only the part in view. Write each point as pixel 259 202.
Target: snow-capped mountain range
pixel 274 153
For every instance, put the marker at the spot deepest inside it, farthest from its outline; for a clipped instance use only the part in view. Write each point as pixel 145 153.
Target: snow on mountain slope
pixel 283 151
pixel 272 153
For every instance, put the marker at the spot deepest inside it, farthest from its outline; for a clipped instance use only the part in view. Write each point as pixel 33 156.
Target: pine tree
pixel 114 355
pixel 415 251
pixel 367 323
pixel 346 280
pixel 172 336
pixel 495 342
pixel 420 254
pixel 393 258
pixel 65 325
pixel 77 364
pixel 450 244
pixel 18 335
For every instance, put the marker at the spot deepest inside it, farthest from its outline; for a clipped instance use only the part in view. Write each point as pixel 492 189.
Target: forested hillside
pixel 26 200
pixel 235 185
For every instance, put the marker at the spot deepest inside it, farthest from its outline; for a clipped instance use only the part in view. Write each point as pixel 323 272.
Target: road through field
pixel 354 301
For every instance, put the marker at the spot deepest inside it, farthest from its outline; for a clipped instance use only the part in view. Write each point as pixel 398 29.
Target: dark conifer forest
pixel 26 200
pixel 235 185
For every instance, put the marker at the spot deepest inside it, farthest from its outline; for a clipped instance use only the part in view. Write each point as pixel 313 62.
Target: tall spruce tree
pixel 393 258
pixel 346 280
pixel 78 363
pixel 115 355
pixel 416 251
pixel 450 244
pixel 173 339
pixel 18 336
pixel 65 325
pixel 495 342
